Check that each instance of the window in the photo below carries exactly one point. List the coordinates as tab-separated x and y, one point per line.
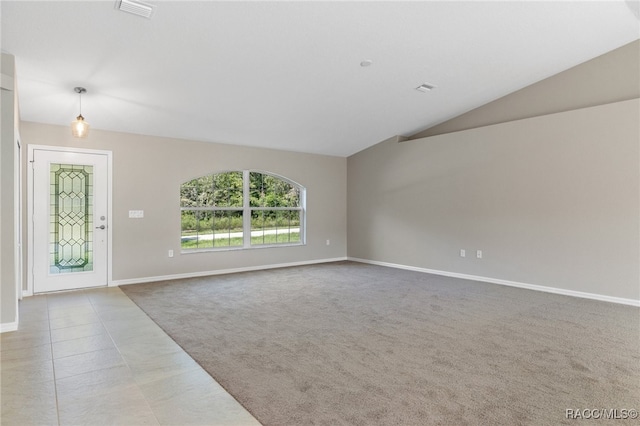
212	211
241	209
276	213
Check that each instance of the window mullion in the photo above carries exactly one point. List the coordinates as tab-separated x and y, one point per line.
246	214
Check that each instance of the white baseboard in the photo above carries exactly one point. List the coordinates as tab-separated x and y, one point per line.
220	272
8	326
555	290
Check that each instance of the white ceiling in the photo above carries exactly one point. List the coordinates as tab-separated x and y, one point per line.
287	75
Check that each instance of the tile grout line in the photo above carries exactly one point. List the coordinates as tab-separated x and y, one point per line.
78	338
123	357
53	364
55	380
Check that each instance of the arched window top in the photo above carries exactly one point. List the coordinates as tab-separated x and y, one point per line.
269	190
241	209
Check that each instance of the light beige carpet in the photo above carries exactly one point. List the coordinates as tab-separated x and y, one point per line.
354	344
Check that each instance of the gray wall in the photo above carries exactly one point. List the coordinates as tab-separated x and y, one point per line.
551	200
8	293
147	173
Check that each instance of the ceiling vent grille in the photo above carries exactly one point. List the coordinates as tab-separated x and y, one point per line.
425	87
135	7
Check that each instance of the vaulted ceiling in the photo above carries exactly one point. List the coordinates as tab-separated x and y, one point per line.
288	75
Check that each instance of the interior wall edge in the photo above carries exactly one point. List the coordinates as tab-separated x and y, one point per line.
418	138
8	192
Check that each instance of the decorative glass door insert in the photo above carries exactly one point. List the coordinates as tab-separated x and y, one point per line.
71	218
70	227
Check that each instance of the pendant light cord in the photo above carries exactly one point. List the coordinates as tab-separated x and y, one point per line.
80	91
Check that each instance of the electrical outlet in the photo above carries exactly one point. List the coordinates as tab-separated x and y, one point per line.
328	242
463	253
479	254
170	253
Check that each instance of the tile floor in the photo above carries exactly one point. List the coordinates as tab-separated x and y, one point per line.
92	357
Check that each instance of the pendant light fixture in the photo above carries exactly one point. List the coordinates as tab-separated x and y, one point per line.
80	128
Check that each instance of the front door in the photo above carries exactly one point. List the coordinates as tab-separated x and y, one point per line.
70	205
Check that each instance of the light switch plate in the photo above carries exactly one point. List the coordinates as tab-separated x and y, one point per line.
136	214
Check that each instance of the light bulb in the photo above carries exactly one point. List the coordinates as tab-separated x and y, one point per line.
80	128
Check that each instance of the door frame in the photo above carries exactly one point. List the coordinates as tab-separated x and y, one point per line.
30	195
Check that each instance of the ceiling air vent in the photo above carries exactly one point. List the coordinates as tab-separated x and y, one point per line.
135	7
425	87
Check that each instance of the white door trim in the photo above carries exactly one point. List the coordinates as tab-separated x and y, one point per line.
30	234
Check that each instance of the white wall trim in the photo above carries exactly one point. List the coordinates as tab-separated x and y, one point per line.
555	290
8	326
221	271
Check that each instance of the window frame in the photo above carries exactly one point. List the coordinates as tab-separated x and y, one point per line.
247	211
